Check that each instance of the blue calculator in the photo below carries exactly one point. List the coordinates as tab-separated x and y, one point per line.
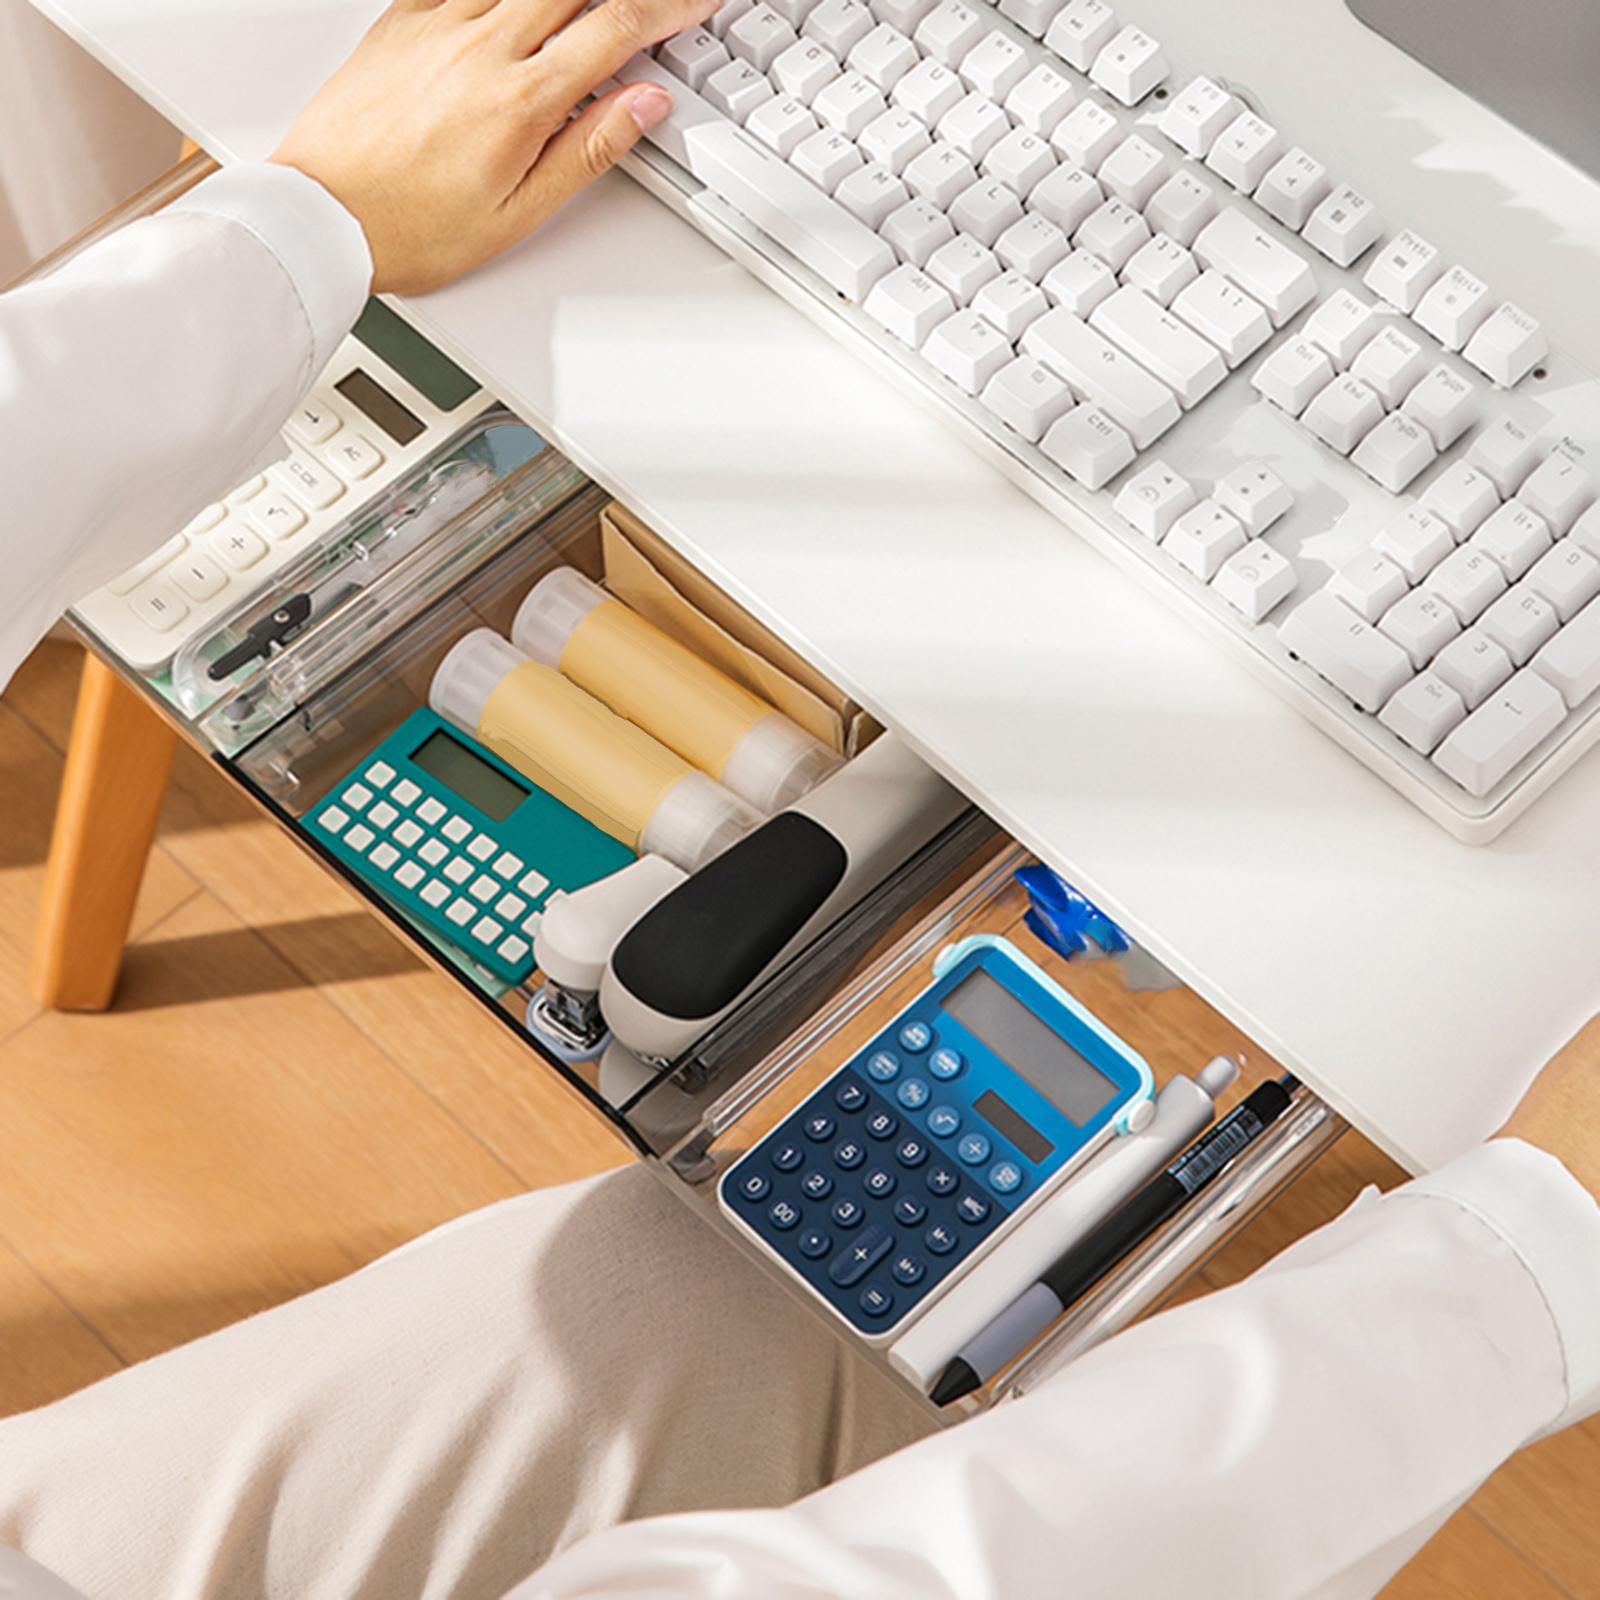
987	1091
465	843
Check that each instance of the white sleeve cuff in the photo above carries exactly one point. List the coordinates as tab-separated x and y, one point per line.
1552	1224
319	245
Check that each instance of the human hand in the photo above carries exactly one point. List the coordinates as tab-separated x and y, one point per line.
1561	1110
446	133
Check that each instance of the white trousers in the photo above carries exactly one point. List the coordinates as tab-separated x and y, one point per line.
442	1421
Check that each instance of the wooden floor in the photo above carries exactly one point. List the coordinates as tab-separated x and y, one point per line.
282	1093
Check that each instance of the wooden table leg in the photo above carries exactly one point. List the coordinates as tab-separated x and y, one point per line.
111	794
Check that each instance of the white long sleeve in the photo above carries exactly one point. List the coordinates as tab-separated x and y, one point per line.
151	374
1299	1435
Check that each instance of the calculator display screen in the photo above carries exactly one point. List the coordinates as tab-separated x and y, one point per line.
467	774
1030	1047
376	401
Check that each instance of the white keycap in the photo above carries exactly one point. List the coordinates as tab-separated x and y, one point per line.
461	912
1508	346
1342	325
1182	206
1293	188
383	815
1368	583
534	885
1225	315
1255	580
484	890
1569	578
430	811
315	419
1031	247
1392	363
1445	403
487	931
1027	397
1294	375
1021	161
358	797
508	865
1134	171
307	482
481	848
1068	196
1343	414
1404	270
1245	152
838	24
198	576
1081	30
939	174
693	55
1468	581
1421	624
799	216
1454	308
1041	100
1256	495
1474	666
1505	452
909	304
384	857
1416	541
380	775
1188	365
1520	622
510	906
805	69
782	123
1423	712
1079	283
1086	135
949	31
159	606
1131	66
456	829
513	949
1395	453
1032	16
1088	445
975	125
1345	649
1571	660
333	819
737	89
1508	726
1514	536
236	547
1114	232
275	515
1154	498
884	56
1270	272
726	15
1203	538
1344	227
849	104
408	834
1461	497
247	490
1559	490
894	140
928	91
458	870
994	66
871	194
433	852
359	837
967	350
206	520
1011	302
985	210
901	14
435	893
1135	401
1197	116
1162	268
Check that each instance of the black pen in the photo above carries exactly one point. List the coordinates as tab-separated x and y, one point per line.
1088	1261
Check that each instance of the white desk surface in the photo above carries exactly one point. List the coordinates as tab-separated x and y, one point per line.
1417	982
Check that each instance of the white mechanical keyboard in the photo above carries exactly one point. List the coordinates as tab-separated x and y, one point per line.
362	427
1365	470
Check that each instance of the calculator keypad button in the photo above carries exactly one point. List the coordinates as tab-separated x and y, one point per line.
847	1213
207	519
486	930
940	1239
357	796
333	819
913	1094
462	912
860	1256
484	890
531	926
199	577
909	1270
787	1157
784	1215
436	893
277	515
247	490
755	1186
916	1036
508	866
159	607
945	1064
815	1244
405	793
816	1184
883	1066
943	1181
354	456
876	1302
456	829
237	547
534	885
408	875
1005	1177
820	1127
307	480
974	1150
510	906
407	834
911	1152
380	774
458	870
910	1210
383	815
430	811
882	1125
972	1208
481	848
433	852
312	421
879	1184
944	1121
359	837
849	1154
513	950
384	857
849	1096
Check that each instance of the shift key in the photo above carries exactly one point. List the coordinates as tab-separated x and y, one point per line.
1571	660
1509	725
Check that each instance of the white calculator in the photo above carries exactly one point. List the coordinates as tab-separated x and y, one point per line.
386	402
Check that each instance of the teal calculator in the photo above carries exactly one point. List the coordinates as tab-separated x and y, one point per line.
465	843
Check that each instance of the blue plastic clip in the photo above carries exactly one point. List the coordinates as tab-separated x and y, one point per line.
1063	921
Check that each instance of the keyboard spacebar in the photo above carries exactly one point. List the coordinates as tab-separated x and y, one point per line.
793	210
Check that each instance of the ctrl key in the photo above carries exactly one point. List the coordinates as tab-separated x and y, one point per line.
1508	726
